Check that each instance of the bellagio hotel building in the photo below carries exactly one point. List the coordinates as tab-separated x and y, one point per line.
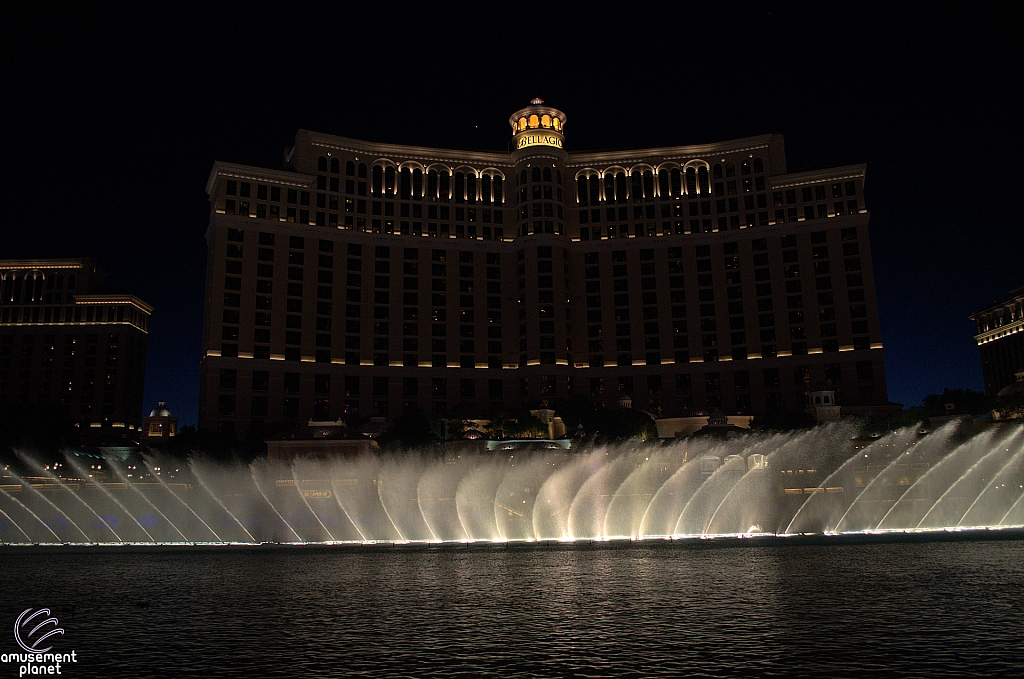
365	278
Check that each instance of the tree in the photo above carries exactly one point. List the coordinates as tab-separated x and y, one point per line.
412	429
254	445
1009	407
39	429
964	400
216	446
573	411
905	418
782	420
523	424
620	425
182	444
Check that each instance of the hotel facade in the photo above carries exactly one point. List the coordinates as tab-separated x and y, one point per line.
1000	338
365	278
66	341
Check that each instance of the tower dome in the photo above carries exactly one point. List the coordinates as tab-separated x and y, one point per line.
537	125
160	410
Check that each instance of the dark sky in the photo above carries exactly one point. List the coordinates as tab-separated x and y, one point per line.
113	120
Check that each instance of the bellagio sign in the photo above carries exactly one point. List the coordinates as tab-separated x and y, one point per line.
539	139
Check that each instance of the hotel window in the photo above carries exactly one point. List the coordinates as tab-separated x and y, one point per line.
228	378
226	404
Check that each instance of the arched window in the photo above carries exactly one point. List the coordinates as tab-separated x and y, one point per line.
594	189
745	168
444	191
362	170
350	168
417	183
636	190
547	174
730	169
335	166
702	180
432	184
460	187
581	191
609	188
321	164
758	165
620	187
691	180
485	189
718	171
534	121
648	185
378	179
404	183
522	177
558	173
535	174
663	187
389	180
677	187
471	188
498	191
556	123
545	120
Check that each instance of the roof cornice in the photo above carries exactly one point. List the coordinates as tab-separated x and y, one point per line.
580	159
429	154
812	176
261	174
30	264
113	298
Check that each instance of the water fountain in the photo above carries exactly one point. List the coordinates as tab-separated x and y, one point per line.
827	480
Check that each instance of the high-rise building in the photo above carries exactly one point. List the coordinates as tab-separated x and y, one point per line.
66	341
1000	339
367	277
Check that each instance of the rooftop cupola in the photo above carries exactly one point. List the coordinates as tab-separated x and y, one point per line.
538	125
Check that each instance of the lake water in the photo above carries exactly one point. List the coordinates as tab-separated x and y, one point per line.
698	608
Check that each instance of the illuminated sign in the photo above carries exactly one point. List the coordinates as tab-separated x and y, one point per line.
539	139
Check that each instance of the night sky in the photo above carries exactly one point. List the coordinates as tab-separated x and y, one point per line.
114	119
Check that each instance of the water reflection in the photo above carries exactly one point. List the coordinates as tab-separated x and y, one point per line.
657	609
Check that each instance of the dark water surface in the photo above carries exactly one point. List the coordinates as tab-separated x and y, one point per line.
932	609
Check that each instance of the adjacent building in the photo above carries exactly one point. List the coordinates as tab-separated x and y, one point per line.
159	427
364	278
1000	337
66	341
319	439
